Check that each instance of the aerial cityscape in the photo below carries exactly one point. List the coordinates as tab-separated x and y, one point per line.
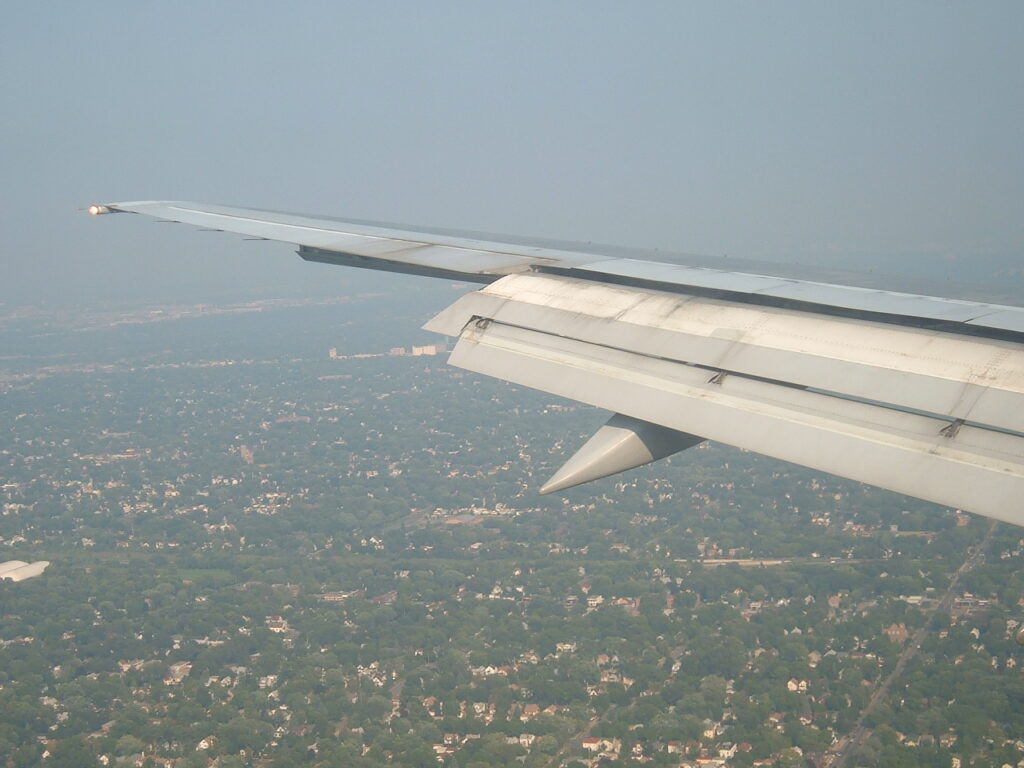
273	540
254	515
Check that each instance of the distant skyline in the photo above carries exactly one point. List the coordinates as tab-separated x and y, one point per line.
797	131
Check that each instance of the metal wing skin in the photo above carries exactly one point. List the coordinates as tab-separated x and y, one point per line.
916	394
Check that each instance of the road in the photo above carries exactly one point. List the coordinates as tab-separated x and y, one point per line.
841	751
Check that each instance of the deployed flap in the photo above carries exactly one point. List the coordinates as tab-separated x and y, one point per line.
622	443
972	468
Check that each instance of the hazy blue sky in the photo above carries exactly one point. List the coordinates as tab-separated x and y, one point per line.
782	130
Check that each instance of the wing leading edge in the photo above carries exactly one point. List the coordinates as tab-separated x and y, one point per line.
915	394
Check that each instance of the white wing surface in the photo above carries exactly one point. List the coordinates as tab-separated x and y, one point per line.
916	394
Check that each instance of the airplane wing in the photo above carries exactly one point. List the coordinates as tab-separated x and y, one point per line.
916	394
